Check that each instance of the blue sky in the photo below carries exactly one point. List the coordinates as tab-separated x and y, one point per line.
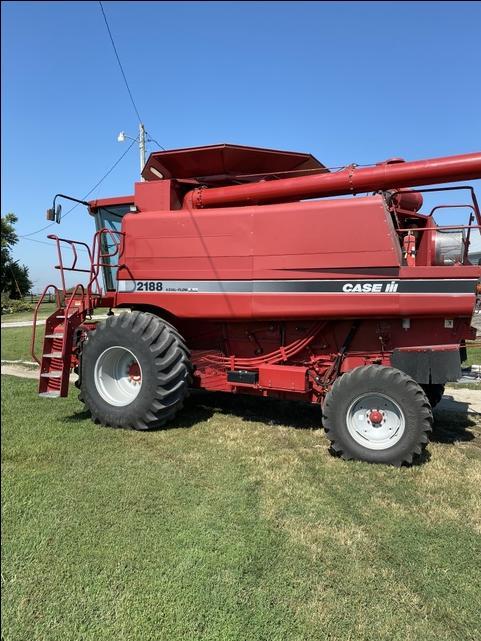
348	82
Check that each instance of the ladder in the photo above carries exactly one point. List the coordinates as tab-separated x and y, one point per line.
73	307
55	362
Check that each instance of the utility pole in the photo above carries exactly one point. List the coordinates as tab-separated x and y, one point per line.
142	148
141	142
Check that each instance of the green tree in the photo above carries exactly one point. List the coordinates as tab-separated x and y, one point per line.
14	277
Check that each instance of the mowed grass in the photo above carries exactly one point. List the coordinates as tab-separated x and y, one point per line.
45	310
16	342
235	523
474	356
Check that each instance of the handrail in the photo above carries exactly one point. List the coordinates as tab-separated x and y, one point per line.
99	254
72	297
35	314
73	267
469	188
453	206
438	228
96	256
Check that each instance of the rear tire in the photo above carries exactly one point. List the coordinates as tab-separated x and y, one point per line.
377	414
434	392
136	371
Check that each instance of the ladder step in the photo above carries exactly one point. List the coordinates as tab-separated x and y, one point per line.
53	355
51	375
58	335
50	394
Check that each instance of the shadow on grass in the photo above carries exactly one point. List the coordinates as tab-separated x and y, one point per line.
201	406
294	414
190	416
452	424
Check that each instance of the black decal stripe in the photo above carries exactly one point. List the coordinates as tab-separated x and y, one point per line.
354	287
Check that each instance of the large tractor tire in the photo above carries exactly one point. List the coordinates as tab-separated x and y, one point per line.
377	414
434	392
136	372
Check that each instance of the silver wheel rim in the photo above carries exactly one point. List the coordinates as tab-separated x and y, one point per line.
375	421
118	376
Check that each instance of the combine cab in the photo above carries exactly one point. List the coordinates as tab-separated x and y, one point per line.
245	272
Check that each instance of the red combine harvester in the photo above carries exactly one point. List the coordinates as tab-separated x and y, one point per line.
237	283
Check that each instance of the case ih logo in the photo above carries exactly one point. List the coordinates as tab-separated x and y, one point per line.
363	288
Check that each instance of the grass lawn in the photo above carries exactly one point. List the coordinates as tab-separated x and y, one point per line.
45	310
474	356
16	343
235	524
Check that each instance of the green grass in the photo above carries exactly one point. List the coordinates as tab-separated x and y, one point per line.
234	524
474	356
45	310
16	343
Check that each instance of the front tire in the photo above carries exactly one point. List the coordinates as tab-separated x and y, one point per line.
377	414
136	371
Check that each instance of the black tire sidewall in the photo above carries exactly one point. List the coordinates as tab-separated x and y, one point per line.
118	336
401	394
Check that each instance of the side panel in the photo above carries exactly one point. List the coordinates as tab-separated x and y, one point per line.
321	259
278	243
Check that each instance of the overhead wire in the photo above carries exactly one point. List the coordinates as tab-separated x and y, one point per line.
123	74
150	139
49	243
120	64
97	184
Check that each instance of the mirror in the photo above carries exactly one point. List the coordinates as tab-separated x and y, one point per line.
58	213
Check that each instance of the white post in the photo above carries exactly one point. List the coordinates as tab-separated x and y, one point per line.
142	148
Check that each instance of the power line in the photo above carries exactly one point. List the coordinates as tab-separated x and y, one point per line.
150	139
120	64
48	242
33	233
123	73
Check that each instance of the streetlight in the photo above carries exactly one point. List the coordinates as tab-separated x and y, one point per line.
141	140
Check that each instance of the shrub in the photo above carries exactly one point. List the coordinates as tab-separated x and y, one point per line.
10	306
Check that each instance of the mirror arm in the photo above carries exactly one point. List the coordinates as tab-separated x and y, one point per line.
75	200
54	214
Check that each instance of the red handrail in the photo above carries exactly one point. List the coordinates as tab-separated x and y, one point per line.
99	254
35	314
97	259
73	267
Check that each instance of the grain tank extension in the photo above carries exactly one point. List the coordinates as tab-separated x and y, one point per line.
262	272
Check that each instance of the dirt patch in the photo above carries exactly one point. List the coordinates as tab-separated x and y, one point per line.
23	371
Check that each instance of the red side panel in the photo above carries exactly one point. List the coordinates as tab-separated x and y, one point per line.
295	260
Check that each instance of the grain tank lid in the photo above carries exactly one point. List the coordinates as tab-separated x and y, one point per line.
228	164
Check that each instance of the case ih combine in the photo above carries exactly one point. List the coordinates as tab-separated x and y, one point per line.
245	273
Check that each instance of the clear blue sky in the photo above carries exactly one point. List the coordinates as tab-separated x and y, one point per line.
348	82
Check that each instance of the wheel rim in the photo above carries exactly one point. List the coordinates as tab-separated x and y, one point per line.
375	421
118	376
